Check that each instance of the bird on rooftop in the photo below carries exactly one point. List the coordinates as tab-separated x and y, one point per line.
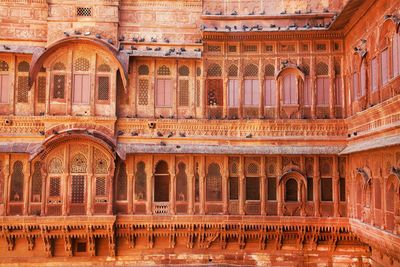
262	12
55	132
110	41
249	135
133	47
135	39
148	48
153	39
219	13
283	12
87	33
285	62
163	143
98	36
134	133
166	40
234	13
77	32
141	40
6	47
121	39
120	132
157	49
298	12
228	27
66	34
325	10
121	48
167	53
203	27
208	12
159	134
308	11
251	13
272	25
182	134
183	49
170	134
197	50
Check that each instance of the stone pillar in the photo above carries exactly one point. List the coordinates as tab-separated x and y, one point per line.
225	175
111	191
26	188
241	91
279	188
43	194
278	92
134	86
316	185
90	177
241	186
130	169
172	174
7	176
202	174
149	183
331	88
191	183
263	186
66	178
335	186
261	81
192	93
313	89
225	94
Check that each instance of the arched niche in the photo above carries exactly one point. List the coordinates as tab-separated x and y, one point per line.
292	203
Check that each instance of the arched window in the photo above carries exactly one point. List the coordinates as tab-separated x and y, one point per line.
163	71
181	183
36	195
122	182
270	86
140	181
251	70
322	84
183	71
161	182
233	86
4	82
363	76
307	95
103	83
214	70
374	74
396	54
163	90
251	86
81	84
143	70
233	70
23	85
390	198
377	194
183	89
289	88
17	183
291	191
355	86
214	183
384	66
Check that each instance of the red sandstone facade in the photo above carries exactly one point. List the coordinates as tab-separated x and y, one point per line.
198	132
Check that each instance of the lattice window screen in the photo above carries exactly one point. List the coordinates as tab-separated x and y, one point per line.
306	70
322	69
269	70
183	71
55	166
250	48
59	86
214	70
214	92
181	183
143	70
83	11
41	87
184	93
214	183
100	186
122	182
140	181
104	68
253	188
54	190
37	182
59	66
104	88
214	48
3	65
252	168
17	182
164	70
78	164
143	92
78	189
232	48
81	64
22	96
233	70
291	190
251	70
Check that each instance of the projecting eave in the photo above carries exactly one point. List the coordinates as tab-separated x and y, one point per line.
371	144
224	149
19	49
145	53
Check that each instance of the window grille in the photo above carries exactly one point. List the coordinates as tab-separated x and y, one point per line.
59	66
22	89
269	48
377	194
36	182
164	70
288	48
214	48
181	183
214	70
342	185
54	187
183	71
122	182
291	190
321	47
81	64
233	188
78	164
250	48
104	68
306	70
184	93
269	70
271	188
17	183
83	11
233	70
337	46
251	70
104	88
322	69
23	66
234	166
305	47
385	66
271	169
3	65
100	186
59	86
214	183
78	189
143	70
140	181
55	166
252	188
197	93
252	168
143	92
232	48
310	189
214	92
101	166
41	89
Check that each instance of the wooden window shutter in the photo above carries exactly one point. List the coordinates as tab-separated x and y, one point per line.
233	93
374	74
4	88
270	92
385	66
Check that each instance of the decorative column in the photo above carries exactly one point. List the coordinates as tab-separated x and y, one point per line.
263	186
316	185
172	173
130	169
66	177
278	93
90	177
261	83
26	189
331	88
149	183
335	186
202	170
70	66
241	186
43	201
225	174
191	182
111	191
279	189
313	89
134	86
192	93
203	94
225	99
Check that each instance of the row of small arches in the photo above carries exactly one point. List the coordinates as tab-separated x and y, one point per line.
165	71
